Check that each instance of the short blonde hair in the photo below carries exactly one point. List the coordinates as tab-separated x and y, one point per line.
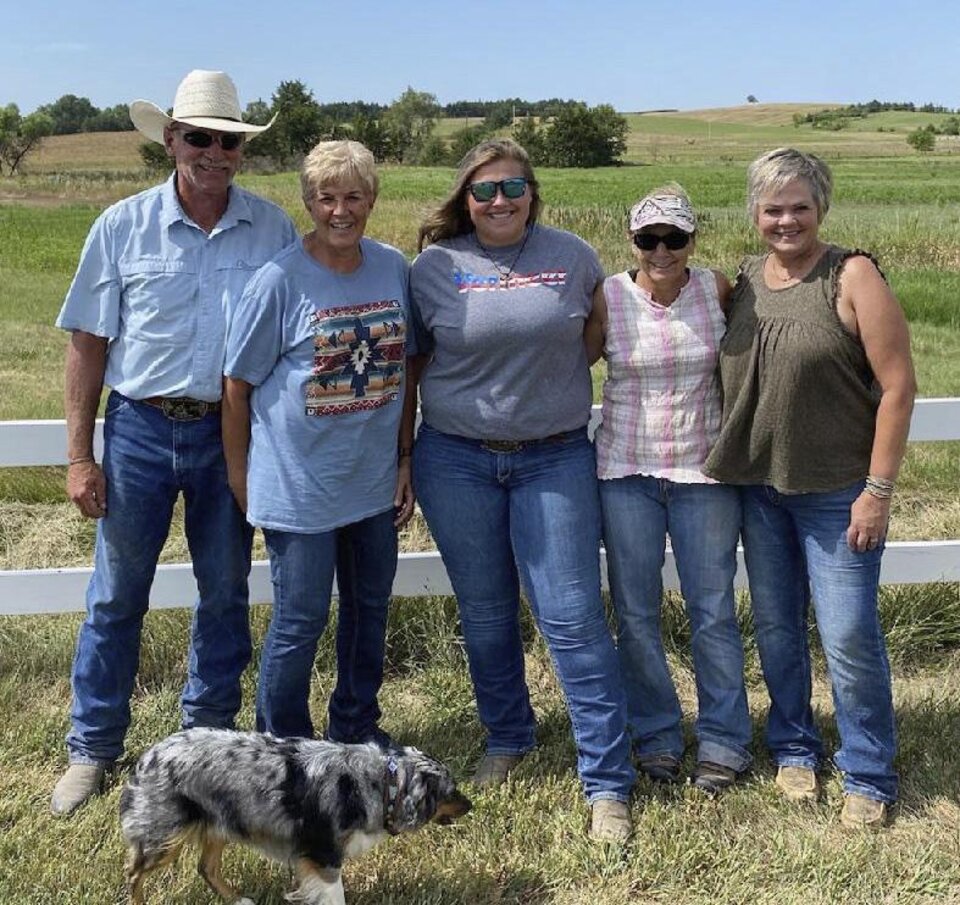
331	162
771	171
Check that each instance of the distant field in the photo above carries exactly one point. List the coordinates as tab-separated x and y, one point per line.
734	133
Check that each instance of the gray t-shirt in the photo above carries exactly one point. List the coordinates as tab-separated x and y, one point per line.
506	354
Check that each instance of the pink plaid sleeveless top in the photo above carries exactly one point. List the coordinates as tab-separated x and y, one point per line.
661	399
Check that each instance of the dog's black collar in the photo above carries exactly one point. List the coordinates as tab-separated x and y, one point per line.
391	796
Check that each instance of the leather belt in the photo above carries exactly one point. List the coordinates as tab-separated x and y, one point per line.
182	408
512	446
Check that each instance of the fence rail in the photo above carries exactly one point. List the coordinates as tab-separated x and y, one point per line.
36	591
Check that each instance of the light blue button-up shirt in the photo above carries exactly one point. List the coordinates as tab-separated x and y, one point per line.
162	290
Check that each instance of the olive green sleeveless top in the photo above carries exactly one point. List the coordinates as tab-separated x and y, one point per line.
799	397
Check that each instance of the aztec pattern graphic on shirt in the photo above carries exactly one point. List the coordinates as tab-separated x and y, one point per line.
479	282
358	357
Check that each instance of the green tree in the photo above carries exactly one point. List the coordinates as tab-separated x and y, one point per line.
110	119
580	136
532	138
299	126
410	119
950	126
258	112
499	116
70	114
374	135
464	139
19	135
155	158
922	140
433	152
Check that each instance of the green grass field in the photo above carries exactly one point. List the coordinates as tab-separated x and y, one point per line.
525	843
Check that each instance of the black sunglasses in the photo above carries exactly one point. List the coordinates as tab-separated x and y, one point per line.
674	240
229	141
487	191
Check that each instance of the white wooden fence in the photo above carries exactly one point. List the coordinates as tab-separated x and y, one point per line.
33	591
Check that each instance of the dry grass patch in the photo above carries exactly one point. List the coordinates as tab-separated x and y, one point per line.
87	151
754	114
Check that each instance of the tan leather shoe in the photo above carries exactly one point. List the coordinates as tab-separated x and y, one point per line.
79	784
862	813
798	783
494	769
610	821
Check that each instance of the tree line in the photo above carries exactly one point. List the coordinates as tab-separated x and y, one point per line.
556	132
837	118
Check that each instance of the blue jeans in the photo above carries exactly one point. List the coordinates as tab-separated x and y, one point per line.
531	516
703	521
796	546
364	555
148	461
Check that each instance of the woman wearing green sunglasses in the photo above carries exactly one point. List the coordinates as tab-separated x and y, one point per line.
503	467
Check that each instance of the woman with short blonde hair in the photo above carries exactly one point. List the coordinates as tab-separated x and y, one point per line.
818	387
312	419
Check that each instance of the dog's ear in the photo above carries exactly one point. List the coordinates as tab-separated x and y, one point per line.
418	794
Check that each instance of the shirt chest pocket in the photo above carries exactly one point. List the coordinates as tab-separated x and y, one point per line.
159	299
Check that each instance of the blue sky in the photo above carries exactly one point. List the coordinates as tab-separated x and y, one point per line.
636	55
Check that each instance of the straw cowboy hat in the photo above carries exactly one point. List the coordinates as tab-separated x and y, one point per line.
204	99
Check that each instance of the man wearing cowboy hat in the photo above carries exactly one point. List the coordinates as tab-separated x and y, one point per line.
148	311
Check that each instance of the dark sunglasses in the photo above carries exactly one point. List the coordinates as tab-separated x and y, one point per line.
674	240
487	191
229	141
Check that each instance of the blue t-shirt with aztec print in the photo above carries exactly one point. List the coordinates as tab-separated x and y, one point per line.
325	353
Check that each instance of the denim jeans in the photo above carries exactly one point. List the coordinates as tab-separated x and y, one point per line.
796	546
531	516
148	461
364	555
703	521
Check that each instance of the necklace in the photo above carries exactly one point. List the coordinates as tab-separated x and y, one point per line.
800	267
504	272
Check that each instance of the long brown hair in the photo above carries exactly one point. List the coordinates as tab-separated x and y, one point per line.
452	217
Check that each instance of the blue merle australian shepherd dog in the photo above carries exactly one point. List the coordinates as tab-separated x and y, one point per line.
311	804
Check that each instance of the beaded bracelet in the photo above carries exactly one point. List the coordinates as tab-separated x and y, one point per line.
881	488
